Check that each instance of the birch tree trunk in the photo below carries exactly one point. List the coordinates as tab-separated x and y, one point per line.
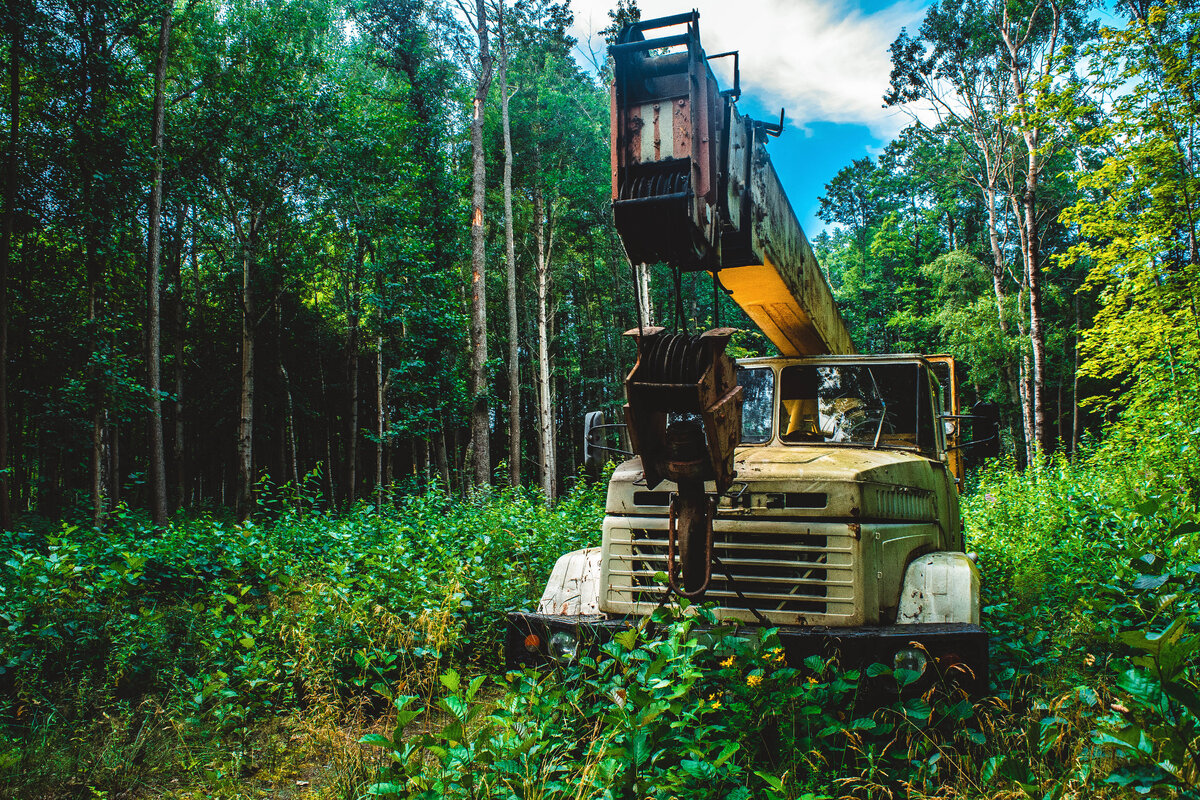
645	307
480	448
546	466
1018	384
514	372
1028	85
158	465
245	437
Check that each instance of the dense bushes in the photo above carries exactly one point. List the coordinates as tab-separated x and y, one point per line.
136	655
1091	599
227	625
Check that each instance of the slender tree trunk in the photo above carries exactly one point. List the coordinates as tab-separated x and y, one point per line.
245	439
91	24
327	416
442	458
112	432
1033	276
353	292
1022	87
480	446
645	307
290	408
514	374
545	415
6	236
380	418
157	465
1075	385
1014	385
176	281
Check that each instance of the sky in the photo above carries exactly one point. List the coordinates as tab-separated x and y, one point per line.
825	62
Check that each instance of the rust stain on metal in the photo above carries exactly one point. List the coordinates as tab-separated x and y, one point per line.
682	129
856	530
636	123
657	135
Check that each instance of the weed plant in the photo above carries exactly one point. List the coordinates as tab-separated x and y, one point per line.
132	652
213	659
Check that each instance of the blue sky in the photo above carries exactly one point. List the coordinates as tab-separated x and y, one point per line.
824	61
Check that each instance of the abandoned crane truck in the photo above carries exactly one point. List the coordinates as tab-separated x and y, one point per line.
815	492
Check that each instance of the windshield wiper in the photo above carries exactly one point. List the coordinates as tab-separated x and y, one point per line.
882	408
882	417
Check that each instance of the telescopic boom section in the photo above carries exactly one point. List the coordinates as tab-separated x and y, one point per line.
693	186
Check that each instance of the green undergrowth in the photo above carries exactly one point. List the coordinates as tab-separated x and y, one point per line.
1090	595
133	652
336	655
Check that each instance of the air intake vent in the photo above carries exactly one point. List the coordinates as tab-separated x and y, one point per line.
805	500
652	499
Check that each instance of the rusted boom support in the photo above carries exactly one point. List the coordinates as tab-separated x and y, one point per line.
693	186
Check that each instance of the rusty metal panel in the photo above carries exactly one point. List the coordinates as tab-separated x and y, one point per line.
681	128
664	145
737	170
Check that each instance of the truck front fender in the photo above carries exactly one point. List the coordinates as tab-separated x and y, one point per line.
940	587
574	585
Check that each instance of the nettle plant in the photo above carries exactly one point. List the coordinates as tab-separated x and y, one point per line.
670	709
1153	731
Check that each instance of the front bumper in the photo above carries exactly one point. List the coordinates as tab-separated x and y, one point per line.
958	651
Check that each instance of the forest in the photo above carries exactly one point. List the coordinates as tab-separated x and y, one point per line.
302	305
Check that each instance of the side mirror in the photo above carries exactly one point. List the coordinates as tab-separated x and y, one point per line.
593	455
595	451
984	422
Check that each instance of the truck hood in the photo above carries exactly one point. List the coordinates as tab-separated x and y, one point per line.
827	482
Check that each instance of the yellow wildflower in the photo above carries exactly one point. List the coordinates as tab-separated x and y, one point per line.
716	704
753	680
727	663
812	680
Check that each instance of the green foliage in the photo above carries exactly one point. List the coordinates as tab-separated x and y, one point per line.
231	625
667	711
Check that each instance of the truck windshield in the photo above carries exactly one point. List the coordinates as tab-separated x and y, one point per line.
758	400
876	405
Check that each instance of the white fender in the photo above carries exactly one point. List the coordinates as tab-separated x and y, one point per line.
574	585
940	587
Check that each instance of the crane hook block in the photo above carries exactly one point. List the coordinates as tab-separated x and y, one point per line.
684	407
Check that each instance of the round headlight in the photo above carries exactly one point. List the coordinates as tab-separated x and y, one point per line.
911	659
563	646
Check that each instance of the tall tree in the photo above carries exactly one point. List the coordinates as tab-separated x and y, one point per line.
157	459
11	155
480	423
510	258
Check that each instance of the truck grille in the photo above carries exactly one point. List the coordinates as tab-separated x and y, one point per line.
794	574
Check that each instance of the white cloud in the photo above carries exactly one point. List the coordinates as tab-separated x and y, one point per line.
824	60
